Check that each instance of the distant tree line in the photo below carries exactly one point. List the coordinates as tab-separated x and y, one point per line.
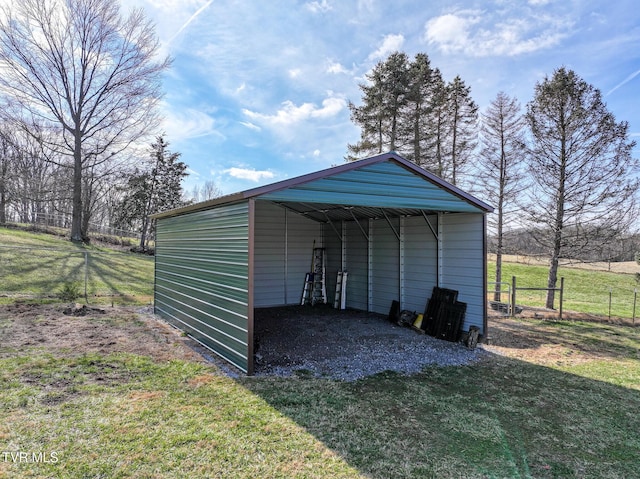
560	174
119	196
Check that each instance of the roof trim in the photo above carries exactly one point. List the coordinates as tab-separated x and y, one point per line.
299	180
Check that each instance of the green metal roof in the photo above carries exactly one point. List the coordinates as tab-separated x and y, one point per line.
385	181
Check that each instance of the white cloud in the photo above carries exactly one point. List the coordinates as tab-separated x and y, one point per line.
319	7
316	153
188	123
450	31
479	34
250	125
291	113
336	68
295	72
250	174
390	44
191	19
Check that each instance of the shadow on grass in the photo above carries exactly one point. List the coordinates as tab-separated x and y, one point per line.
119	274
502	418
605	340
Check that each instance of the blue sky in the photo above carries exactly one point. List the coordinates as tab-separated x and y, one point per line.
258	89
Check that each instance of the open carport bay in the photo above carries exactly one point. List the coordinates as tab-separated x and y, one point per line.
347	345
398	231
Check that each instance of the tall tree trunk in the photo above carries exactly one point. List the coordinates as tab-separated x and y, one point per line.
3	193
76	207
497	295
417	153
558	228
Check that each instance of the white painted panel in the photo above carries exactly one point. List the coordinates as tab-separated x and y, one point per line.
463	263
420	263
269	255
283	248
386	265
356	265
303	234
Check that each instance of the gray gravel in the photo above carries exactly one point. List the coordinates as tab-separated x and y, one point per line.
346	345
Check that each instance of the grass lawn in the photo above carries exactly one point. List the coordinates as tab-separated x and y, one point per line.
585	290
119	395
561	400
41	265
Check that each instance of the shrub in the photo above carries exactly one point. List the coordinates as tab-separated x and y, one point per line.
69	292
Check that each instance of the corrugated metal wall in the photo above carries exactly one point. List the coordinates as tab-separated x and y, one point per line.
357	264
201	278
334	257
463	263
420	263
385	277
283	248
375	275
270	264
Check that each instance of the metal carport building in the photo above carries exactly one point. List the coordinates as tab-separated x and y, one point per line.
396	228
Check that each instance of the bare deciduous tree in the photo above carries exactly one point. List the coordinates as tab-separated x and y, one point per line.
584	179
206	191
84	72
501	134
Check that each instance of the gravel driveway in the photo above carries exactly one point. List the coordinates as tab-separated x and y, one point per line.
346	345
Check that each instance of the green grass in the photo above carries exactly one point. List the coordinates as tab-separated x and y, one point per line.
41	265
585	290
124	415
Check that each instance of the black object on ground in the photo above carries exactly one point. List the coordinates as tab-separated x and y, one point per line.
444	314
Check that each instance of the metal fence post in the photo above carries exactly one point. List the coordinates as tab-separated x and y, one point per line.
513	296
86	275
561	296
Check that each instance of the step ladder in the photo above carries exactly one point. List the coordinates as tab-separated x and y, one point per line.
315	290
340	299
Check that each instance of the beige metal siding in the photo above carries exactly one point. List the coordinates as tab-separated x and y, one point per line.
464	263
283	249
420	263
385	278
357	264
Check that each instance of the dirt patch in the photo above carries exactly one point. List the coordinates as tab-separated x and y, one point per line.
533	336
74	331
355	343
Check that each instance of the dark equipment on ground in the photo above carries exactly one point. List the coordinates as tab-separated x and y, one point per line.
444	314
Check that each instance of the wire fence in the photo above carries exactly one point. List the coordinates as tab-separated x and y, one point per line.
611	301
72	275
63	220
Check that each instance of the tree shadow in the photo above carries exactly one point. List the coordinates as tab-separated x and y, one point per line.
499	418
590	338
118	277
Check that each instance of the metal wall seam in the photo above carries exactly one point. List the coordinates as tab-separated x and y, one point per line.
401	280
251	284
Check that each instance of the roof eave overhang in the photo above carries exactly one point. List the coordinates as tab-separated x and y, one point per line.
299	180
